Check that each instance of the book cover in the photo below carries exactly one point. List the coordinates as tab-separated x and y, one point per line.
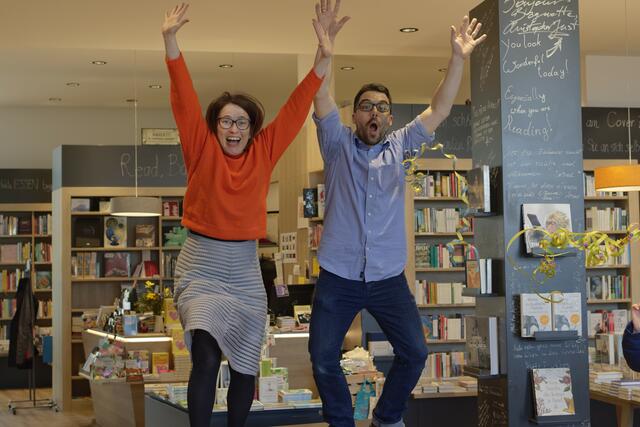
548	216
87	232
427	326
482	343
145	235
310	202
43	279
552	391
472	269
478	192
159	362
115	232
178	346
302	314
567	314
116	264
595	288
130	324
535	314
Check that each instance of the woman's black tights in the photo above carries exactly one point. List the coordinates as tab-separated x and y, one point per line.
206	356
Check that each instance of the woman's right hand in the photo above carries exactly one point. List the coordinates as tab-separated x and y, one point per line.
174	20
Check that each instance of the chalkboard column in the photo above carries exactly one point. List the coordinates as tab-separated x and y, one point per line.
525	86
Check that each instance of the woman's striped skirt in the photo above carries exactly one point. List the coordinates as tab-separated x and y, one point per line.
219	289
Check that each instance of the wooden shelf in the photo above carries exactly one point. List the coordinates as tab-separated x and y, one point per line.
42	236
113	279
76	341
437	199
16	236
604	267
609	301
439	270
446	305
43	291
42	263
447	234
171	248
78	377
2	264
121	249
446	341
605	198
90	213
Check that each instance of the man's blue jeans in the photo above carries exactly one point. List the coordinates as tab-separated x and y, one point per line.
390	302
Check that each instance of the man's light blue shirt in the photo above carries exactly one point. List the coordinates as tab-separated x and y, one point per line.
364	225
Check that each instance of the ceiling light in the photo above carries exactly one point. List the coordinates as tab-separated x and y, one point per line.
99	62
135	205
621	177
73	84
408	30
155	86
225	66
348	68
55	99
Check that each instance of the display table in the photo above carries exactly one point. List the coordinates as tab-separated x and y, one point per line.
160	412
624	407
117	403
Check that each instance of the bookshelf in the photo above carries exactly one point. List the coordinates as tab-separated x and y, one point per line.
27	228
603	213
80	236
438	348
314	232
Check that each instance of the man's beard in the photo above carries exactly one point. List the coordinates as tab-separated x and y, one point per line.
380	128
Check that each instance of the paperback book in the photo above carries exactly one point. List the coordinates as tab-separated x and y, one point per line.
552	391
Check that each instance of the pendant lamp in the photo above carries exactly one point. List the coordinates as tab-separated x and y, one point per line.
621	177
135	205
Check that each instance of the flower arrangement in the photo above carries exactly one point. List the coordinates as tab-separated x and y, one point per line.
150	300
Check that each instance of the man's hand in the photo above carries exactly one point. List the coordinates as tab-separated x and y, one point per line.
465	39
635	317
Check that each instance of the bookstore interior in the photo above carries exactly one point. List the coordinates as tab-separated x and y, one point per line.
522	233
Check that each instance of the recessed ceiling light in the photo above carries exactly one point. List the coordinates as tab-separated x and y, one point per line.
131	100
408	30
54	99
155	86
348	68
99	62
73	84
225	66
443	69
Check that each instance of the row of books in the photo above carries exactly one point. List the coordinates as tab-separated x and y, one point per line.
444	365
443	327
172	208
315	234
604	321
607	219
539	314
590	187
440	185
434	256
116	264
608	287
479	275
608	349
622	259
462	384
42	252
170	260
7	307
443	220
10	279
426	292
18	252
15	225
45	309
43	225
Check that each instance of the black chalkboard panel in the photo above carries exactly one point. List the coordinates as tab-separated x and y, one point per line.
605	134
25	185
114	166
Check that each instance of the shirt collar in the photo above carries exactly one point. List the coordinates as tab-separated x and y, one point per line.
378	147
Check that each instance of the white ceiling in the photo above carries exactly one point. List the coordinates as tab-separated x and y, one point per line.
44	44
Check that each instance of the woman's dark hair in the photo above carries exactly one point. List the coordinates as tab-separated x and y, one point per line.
370	87
248	103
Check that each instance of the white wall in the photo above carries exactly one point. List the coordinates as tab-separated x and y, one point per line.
29	135
611	81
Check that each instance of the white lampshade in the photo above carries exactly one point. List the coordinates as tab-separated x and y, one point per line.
136	206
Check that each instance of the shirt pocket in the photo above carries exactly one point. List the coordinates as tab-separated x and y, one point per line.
389	177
